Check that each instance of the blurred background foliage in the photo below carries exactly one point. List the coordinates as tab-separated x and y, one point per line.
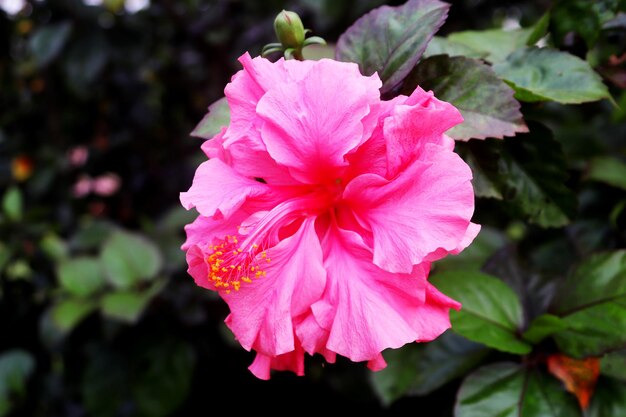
97	98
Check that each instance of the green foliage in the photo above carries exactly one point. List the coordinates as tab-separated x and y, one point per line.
508	389
485	101
608	170
491	312
46	43
12	204
217	117
542	74
496	44
16	366
390	40
82	276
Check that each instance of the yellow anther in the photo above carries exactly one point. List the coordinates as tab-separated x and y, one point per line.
255	246
268	260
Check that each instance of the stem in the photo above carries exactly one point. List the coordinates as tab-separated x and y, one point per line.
297	54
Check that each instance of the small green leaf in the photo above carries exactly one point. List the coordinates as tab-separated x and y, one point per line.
497	44
439	45
491	312
608	170
592	304
68	313
12	204
539	29
129	258
614	365
54	247
16	366
545	74
509	390
484	100
47	42
542	327
82	276
217	117
390	40
127	306
419	369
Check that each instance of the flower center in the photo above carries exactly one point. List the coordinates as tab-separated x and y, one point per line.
231	264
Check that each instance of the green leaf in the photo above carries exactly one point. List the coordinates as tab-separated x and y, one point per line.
129	258
578	16
509	390
497	44
84	62
488	241
68	313
419	369
529	171
16	366
609	399
127	306
608	170
542	327
82	276
485	101
614	365
439	45
54	247
592	304
105	383
163	377
217	117
47	42
390	40
539	29
491	312
12	204
545	74
316	52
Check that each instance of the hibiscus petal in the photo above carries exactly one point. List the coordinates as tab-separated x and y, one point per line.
422	119
217	187
262	311
197	267
204	229
290	361
311	124
365	309
426	207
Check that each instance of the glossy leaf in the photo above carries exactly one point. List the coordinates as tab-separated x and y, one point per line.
82	276
545	74
491	312
129	258
391	40
593	306
419	369
217	117
485	101
510	390
542	327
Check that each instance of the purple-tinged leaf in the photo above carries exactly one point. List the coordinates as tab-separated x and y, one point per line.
391	40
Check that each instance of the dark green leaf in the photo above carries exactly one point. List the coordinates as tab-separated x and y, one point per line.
608	170
84	62
127	306
419	369
54	247
529	171
439	45
497	44
217	117
578	16
593	306
47	42
12	203
390	40
81	276
509	390
128	258
614	364
543	326
545	74
609	399
15	368
485	101
491	312
163	377
105	383
68	313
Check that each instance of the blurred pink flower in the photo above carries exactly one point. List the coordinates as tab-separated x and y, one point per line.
106	184
77	156
321	208
82	186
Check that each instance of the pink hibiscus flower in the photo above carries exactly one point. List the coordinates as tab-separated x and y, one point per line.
321	207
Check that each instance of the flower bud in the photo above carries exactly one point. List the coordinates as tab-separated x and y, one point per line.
289	29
